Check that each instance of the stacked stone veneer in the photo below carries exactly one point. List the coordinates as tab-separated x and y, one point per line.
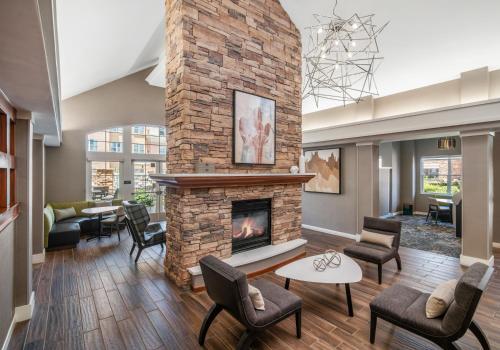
213	48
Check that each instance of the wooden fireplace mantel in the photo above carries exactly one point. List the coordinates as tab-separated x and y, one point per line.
228	180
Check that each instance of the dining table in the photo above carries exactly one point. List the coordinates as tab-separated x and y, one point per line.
99	211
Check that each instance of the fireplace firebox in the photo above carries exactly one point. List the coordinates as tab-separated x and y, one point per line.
251	224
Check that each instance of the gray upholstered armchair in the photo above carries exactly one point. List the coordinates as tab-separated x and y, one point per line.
375	253
405	307
228	288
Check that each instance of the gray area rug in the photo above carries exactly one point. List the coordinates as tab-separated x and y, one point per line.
437	238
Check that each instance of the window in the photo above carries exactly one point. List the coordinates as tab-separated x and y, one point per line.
109	140
137	148
441	175
105	179
149	140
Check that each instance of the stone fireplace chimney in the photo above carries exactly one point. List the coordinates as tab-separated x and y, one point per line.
214	48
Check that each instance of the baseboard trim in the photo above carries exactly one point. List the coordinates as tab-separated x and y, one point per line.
25	312
469	260
330	232
6	342
38	258
496	245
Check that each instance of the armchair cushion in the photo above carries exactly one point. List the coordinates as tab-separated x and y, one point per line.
370	252
406	305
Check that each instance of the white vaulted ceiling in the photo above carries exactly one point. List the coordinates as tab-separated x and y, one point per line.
426	42
104	40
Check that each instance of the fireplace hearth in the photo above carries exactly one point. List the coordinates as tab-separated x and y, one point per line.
251	224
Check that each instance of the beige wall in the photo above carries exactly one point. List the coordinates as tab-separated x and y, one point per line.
7	277
476	85
38	194
126	101
496	188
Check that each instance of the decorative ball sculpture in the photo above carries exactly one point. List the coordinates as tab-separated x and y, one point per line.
331	258
294	169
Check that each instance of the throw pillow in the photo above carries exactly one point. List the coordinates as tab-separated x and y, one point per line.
377	238
62	214
440	299
256	298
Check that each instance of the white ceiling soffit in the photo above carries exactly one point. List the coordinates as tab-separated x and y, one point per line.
426	41
101	41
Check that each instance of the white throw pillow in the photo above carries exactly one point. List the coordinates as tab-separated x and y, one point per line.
62	214
440	299
256	298
377	238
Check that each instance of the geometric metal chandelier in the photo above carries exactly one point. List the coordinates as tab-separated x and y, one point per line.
342	58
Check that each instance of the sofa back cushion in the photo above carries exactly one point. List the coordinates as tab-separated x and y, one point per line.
78	205
62	214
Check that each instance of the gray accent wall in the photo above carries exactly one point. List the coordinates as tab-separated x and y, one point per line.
335	212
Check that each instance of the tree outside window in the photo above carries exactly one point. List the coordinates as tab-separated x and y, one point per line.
441	175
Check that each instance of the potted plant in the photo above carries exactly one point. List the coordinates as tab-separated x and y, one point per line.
146	198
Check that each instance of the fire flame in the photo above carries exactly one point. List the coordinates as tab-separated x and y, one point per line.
247	229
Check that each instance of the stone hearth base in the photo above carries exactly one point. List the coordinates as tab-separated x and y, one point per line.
257	261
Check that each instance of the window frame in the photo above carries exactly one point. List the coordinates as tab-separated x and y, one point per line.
107	140
449	174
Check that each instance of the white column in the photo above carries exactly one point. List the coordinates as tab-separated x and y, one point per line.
477	194
367	182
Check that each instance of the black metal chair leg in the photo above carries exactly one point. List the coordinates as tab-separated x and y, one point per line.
298	323
162	246
373	327
118	231
209	318
349	300
132	250
245	341
476	330
398	261
138	254
379	273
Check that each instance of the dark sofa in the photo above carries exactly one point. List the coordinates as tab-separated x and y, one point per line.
66	233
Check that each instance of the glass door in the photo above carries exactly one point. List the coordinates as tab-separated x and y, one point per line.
105	180
146	191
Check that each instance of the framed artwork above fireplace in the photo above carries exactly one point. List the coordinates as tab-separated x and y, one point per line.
254	129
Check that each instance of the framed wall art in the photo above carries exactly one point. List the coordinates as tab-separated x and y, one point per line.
326	164
254	129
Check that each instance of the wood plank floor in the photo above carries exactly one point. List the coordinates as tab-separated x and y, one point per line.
95	297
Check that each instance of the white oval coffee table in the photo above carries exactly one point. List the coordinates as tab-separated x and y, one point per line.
303	270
